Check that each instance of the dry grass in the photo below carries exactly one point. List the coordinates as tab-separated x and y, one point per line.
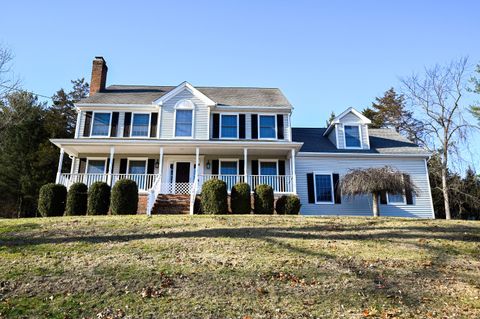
238	267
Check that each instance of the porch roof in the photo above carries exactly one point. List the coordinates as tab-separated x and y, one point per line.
143	146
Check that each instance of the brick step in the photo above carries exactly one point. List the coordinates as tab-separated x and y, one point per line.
172	204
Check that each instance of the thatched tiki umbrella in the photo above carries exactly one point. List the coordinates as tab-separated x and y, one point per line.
374	181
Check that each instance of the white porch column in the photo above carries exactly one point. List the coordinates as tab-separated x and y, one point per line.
197	160
293	173
245	164
160	163
72	167
60	163
110	165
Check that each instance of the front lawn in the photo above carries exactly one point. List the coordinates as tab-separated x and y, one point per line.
238	267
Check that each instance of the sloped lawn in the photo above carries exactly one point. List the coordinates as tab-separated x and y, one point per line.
238	267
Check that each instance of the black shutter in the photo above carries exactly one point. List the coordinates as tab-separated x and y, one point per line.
241	166
153	125
113	129
216	125
383	198
241	129
83	165
336	189
88	124
254	167
214	167
126	126
123	166
254	126
151	166
310	188
280	129
408	193
281	167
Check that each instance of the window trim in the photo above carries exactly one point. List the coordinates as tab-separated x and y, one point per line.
109	124
331	187
260	161
404	202
97	159
149	124
137	159
359	136
238	125
220	160
260	127
179	106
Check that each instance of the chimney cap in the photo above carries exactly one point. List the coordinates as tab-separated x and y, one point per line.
100	58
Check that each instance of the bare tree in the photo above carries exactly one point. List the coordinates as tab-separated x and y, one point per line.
7	81
436	100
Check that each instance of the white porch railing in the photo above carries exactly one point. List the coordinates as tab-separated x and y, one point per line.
144	181
279	183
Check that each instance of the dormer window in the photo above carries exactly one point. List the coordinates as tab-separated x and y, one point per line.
229	126
140	125
352	136
101	124
268	127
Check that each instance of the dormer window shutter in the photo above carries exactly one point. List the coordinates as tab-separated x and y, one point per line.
153	124
88	123
114	127
216	126
254	126
241	129
126	126
280	127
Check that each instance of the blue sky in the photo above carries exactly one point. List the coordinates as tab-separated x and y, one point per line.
324	55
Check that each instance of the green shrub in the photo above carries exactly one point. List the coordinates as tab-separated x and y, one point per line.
214	197
124	199
98	199
77	200
263	199
240	199
51	200
288	204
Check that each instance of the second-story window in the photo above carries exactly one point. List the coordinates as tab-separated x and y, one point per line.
183	123
140	125
101	124
229	126
267	126
352	136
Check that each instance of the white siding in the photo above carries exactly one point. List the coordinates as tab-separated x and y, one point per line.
361	206
200	127
351	118
333	137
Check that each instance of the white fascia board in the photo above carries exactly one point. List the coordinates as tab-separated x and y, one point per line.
119	107
179	88
284	109
365	120
326	154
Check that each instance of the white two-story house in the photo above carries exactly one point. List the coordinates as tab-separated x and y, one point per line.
171	139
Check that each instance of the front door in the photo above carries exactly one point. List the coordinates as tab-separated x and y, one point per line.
182	178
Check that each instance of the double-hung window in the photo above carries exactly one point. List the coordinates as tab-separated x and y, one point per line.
323	188
183	123
140	125
228	167
352	136
96	167
268	126
268	168
394	199
229	126
101	124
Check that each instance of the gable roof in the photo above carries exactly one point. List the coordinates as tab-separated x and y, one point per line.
222	96
336	120
382	141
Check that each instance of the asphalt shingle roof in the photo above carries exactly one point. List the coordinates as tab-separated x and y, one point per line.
223	96
382	141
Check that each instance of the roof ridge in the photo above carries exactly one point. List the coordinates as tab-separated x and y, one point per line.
201	87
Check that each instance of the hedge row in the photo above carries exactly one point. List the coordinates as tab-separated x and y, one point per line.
99	199
214	199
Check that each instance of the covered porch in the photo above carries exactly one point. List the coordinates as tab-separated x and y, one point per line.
179	168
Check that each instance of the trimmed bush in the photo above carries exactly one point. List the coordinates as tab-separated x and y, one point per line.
77	197
98	199
124	200
288	204
214	197
263	199
240	199
51	200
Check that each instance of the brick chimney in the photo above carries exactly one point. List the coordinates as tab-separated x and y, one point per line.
99	75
